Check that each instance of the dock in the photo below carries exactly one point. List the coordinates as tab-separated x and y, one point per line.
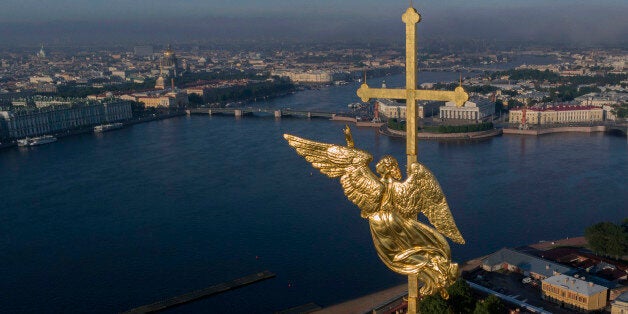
203	293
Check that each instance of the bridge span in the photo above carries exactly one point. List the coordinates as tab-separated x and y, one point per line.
277	113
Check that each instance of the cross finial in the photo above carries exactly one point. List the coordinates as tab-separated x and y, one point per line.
364	76
460	79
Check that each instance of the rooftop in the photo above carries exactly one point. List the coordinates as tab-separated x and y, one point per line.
575	284
526	263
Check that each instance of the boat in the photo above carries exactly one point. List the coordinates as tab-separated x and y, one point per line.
40	140
23	142
108	127
354	105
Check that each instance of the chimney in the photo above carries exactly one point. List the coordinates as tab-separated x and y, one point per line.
172	82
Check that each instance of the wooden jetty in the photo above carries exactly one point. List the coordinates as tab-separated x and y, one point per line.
203	293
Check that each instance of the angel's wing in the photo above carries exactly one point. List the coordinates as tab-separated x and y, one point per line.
360	185
422	193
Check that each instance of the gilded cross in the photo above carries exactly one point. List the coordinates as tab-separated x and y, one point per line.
411	94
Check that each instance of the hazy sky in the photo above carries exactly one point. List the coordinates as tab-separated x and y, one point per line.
564	20
47	10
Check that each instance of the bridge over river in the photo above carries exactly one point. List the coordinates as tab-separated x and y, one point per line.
277	113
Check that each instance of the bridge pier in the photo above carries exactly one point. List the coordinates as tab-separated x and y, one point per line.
238	113
277	114
309	115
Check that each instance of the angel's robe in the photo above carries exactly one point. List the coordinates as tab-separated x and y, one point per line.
405	245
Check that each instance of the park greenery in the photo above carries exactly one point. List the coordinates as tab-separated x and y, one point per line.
461	300
607	238
459	128
396	124
621	111
253	90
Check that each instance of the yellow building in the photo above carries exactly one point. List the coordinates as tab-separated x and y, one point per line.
157	101
558	115
574	293
620	305
311	76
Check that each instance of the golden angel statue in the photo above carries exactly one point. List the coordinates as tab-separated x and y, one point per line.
404	244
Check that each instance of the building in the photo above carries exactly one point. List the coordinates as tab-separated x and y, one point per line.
312	76
157	101
620	305
574	293
391	109
396	110
474	109
162	99
169	64
527	265
560	114
41	53
55	119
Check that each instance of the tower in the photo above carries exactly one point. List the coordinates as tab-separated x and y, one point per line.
42	53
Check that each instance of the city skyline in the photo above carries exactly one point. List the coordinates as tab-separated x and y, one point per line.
578	23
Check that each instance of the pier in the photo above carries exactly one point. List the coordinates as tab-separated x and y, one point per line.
203	293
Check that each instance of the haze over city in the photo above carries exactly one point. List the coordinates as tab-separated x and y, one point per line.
151	156
575	23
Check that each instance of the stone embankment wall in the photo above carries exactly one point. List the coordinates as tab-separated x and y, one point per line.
577	129
445	136
356	122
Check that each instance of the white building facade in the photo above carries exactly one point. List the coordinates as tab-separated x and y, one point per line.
55	119
474	109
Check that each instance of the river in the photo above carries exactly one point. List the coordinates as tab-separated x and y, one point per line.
104	223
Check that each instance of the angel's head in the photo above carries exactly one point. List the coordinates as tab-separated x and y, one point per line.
388	167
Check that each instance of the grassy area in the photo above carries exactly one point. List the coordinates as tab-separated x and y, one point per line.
459	128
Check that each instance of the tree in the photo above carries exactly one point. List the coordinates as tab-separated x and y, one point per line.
433	304
490	305
195	100
460	297
607	238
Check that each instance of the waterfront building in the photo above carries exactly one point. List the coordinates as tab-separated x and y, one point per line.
527	265
474	109
156	101
391	109
559	114
574	293
396	110
55	119
311	76
162	99
620	305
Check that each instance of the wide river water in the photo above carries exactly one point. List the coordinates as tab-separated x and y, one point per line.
104	223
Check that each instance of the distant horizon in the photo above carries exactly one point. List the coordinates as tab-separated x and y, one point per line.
577	23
